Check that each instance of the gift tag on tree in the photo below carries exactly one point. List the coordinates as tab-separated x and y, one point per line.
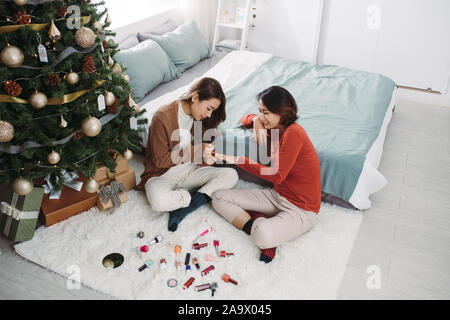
101	102
133	123
42	53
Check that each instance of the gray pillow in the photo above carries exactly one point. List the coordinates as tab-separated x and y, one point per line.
128	42
159	30
147	66
184	45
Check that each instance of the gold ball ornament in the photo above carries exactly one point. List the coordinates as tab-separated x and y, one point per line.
91	186
22	186
98	26
20	2
127	154
85	37
53	157
117	69
12	56
91	126
72	78
38	100
109	98
6	131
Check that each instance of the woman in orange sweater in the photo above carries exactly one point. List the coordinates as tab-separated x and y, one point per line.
274	216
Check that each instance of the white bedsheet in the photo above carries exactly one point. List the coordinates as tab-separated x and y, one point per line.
235	67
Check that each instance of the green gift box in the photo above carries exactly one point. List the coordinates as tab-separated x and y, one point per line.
19	214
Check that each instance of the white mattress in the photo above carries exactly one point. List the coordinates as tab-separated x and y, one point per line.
235	67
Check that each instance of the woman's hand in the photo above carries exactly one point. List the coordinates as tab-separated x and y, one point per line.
227	158
259	131
208	155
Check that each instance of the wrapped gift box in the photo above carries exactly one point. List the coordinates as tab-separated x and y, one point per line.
104	176
127	178
123	197
71	202
19	214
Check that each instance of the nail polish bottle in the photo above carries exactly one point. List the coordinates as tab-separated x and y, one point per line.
147	264
157	239
207	270
202	287
195	262
162	264
188	283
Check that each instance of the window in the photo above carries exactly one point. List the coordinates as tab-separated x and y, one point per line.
125	12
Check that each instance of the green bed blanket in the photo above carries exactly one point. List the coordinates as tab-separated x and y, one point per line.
342	111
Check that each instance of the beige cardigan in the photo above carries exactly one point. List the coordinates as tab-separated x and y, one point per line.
159	146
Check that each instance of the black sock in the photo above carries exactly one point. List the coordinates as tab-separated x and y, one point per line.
197	200
247	228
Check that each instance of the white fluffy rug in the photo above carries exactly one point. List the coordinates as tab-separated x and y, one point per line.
311	267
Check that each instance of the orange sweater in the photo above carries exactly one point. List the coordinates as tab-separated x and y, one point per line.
298	176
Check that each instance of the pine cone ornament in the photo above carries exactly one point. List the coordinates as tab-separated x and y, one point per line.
114	108
88	64
105	44
78	135
21	17
52	79
13	88
62	11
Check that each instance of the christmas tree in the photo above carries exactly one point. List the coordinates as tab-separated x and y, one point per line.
65	105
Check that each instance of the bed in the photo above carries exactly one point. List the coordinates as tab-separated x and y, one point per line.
345	112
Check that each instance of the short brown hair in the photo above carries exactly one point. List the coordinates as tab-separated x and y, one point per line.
279	101
208	88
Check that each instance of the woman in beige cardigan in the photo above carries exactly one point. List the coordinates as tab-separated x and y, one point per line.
179	177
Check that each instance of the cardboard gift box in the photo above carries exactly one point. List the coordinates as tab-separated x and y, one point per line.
123	197
19	214
127	178
104	176
71	202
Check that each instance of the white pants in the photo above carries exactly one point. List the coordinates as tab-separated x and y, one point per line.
170	191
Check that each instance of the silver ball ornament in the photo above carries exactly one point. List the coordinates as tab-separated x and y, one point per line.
91	186
109	98
127	154
12	56
38	100
91	126
53	157
22	186
6	131
72	78
85	37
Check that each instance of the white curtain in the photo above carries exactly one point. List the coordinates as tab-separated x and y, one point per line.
204	13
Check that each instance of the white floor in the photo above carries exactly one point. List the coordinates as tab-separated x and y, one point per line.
405	235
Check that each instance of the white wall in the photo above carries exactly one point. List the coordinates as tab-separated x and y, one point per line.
406	40
343	26
287	28
148	23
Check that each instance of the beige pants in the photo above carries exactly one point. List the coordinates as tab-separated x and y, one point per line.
170	191
284	222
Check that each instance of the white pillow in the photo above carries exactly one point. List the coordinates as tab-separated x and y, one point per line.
128	42
159	30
